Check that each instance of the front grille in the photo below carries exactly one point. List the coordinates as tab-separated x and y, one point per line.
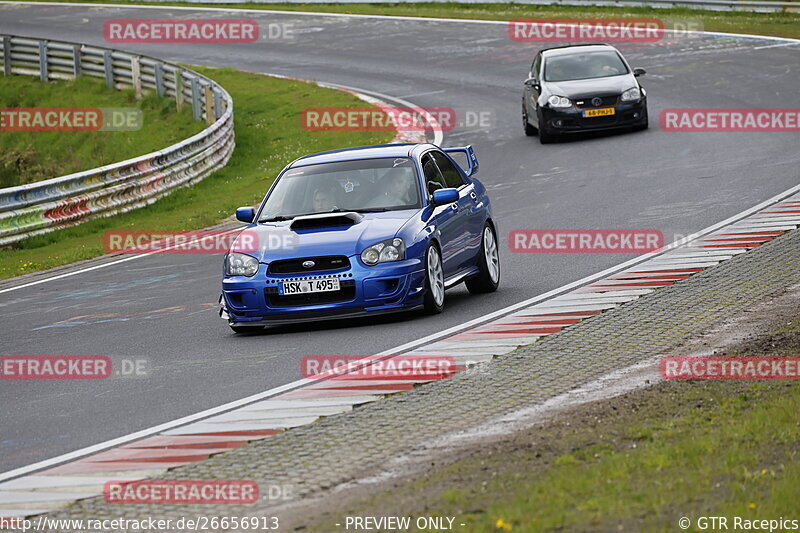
321	264
605	101
346	292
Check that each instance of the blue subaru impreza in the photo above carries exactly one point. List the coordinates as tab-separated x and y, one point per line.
362	231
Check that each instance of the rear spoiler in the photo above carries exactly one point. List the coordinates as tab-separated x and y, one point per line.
472	159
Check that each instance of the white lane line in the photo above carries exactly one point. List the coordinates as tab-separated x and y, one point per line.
423	94
364	16
774	46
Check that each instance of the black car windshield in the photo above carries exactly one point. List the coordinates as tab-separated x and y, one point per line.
364	185
584	66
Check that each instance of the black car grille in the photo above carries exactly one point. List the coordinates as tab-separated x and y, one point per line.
605	101
346	292
321	264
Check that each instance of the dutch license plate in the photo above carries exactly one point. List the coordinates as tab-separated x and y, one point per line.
308	286
602	112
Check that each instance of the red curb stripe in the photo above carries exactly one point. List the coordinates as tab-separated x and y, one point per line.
490	336
716	239
743	245
520	332
166	459
377	386
183	443
304	393
422	378
632	277
676	271
258	433
748	234
80	467
635	285
544	322
561	313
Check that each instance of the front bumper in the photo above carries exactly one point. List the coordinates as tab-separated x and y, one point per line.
364	291
571	119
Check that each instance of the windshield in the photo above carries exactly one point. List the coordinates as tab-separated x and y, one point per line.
365	185
584	66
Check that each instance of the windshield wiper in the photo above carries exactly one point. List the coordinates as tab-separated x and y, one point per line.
373	210
279	218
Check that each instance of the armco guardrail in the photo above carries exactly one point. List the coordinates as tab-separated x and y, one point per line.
767	6
44	206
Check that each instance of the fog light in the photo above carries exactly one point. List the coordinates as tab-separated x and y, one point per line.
636	115
557	123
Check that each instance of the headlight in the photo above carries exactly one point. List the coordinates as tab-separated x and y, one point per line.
559	101
237	264
631	95
384	252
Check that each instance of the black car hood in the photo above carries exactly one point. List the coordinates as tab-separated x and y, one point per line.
592	87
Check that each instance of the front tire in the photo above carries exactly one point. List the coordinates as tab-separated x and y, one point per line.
530	131
488	278
434	281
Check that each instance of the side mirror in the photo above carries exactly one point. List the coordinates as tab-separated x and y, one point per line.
531	82
639	72
245	214
445	196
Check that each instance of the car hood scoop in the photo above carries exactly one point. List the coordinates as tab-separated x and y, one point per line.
325	220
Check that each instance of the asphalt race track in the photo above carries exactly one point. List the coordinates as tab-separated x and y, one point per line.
165	305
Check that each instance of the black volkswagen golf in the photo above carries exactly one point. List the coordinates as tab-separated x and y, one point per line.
588	87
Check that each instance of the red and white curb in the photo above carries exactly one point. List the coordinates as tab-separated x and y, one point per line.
337	392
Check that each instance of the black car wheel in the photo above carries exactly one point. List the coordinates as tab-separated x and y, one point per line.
434	281
488	278
530	131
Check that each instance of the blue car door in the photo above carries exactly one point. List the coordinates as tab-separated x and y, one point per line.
470	217
446	218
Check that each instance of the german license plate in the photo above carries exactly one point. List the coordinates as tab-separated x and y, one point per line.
304	287
602	112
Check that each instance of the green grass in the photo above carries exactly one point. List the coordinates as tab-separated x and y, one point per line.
697	450
268	136
776	24
29	156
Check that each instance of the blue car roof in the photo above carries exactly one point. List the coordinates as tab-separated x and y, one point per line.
360	152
